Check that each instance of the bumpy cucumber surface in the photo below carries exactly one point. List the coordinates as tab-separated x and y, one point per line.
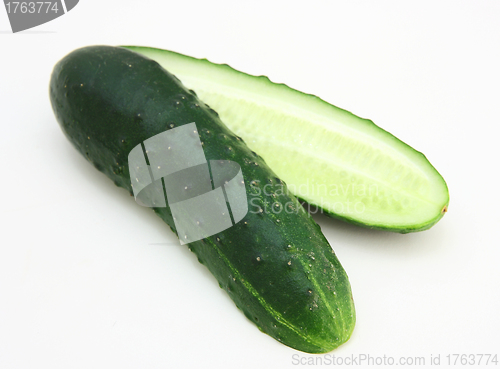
341	163
276	265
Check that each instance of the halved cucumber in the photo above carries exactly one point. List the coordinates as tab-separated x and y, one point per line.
344	164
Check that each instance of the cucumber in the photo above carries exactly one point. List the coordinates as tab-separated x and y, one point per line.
277	266
345	165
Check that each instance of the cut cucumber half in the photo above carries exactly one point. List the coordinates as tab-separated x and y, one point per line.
340	163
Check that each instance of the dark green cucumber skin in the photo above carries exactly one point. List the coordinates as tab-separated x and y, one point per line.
277	266
403	230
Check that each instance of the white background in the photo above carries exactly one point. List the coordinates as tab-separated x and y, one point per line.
84	282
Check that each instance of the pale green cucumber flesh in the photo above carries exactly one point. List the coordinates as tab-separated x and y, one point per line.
347	166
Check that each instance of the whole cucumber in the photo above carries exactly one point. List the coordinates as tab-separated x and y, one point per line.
275	263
